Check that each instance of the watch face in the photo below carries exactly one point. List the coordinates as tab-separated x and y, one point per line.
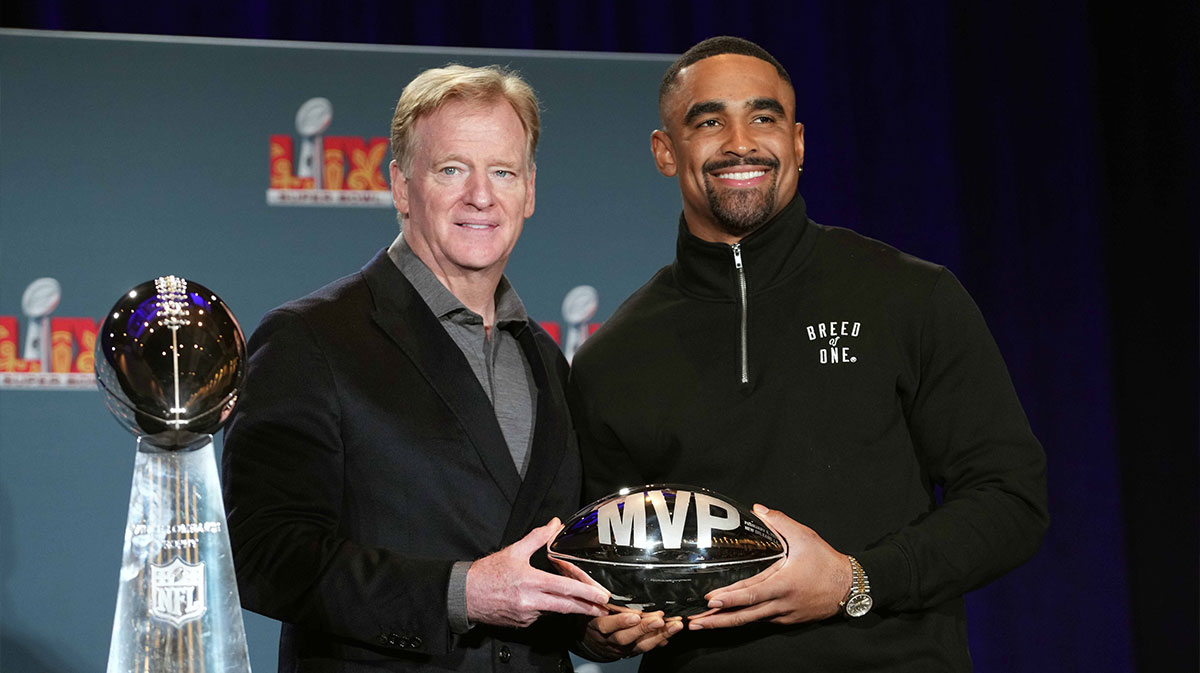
859	605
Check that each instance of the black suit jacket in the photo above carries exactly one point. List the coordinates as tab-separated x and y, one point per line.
363	460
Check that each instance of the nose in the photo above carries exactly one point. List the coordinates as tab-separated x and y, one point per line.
480	192
740	142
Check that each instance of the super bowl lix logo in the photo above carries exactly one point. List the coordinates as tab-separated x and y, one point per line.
177	591
327	170
578	308
58	352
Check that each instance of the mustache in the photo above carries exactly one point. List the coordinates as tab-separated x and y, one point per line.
718	164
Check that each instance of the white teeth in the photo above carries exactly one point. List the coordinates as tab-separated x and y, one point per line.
475	226
743	175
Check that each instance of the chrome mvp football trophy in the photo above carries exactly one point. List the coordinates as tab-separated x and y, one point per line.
664	547
170	359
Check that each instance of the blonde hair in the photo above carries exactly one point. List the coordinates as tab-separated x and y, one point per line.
434	87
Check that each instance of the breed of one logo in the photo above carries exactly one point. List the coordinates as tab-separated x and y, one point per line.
177	593
832	333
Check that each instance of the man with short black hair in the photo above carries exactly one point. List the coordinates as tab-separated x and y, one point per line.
824	374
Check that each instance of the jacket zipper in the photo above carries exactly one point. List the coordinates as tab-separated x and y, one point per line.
741	274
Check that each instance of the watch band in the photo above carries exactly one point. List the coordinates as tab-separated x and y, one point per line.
858	602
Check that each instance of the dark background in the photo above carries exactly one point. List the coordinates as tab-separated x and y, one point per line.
1046	152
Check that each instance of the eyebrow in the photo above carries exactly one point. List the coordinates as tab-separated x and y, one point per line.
766	104
464	159
703	108
710	106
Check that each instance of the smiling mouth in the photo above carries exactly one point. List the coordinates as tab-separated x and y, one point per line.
742	175
740	171
476	226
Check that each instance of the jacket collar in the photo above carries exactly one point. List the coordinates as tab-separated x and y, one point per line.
780	247
408	321
510	311
550	435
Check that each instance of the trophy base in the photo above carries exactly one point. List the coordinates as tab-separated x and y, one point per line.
177	601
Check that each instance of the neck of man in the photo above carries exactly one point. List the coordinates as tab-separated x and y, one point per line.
704	225
475	288
706	232
705	228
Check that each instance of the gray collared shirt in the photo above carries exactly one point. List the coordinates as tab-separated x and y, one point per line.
500	367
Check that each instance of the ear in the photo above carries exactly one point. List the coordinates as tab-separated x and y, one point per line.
399	189
664	153
531	194
799	144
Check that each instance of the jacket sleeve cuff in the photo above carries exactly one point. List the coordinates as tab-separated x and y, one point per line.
456	598
889	573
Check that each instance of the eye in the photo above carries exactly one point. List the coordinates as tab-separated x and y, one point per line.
764	119
450	170
502	173
708	123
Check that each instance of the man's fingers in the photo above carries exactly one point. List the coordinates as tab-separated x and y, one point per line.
651	622
749	581
567	606
536	539
670	628
563	586
789	528
659	637
609	624
568	569
761	592
630	633
648	626
726	619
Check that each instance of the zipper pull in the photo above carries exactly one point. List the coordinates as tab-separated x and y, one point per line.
737	255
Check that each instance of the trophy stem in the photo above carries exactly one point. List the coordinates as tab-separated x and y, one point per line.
177	601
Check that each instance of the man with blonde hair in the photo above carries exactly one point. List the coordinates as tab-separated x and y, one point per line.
403	428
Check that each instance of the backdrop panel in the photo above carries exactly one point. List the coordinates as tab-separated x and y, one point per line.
127	159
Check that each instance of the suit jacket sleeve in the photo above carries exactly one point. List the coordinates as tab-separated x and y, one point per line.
284	481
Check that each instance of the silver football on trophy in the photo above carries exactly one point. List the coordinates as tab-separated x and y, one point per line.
170	359
664	546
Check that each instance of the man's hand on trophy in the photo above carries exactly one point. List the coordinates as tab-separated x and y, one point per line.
628	634
805	586
503	589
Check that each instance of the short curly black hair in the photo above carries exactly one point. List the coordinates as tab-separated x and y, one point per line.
714	46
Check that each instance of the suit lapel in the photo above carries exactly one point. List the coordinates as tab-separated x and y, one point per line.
549	442
406	319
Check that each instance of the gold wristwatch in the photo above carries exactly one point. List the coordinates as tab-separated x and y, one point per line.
858	602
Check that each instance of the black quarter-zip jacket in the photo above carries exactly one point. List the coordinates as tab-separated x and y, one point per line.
844	383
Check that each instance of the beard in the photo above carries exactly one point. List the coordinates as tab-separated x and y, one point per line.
741	211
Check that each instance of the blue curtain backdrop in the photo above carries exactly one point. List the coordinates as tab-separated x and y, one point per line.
1045	152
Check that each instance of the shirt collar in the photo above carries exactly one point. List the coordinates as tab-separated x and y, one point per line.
510	311
780	247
